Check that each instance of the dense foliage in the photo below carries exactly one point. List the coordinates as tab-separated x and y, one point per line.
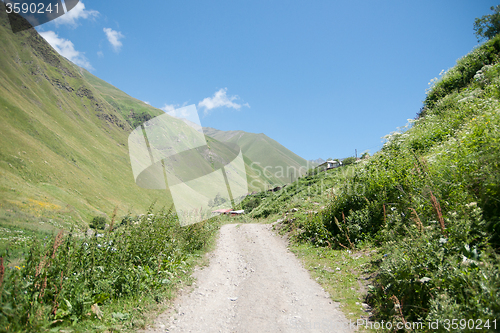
349	160
98	222
461	76
429	200
69	279
488	26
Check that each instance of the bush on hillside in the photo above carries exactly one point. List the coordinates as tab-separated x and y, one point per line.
349	160
250	204
98	223
461	75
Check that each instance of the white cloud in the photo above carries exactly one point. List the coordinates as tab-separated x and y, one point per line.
178	111
100	54
219	99
147	102
66	48
78	12
186	114
170	108
114	38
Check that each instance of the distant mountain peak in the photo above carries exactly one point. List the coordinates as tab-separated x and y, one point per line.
317	161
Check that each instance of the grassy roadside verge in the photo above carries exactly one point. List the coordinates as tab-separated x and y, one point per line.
343	274
112	280
136	313
347	275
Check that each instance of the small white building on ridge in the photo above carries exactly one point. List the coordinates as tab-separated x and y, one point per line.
330	164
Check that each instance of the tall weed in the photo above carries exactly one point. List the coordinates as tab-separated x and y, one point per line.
67	279
430	200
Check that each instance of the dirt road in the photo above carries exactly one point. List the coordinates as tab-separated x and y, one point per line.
253	284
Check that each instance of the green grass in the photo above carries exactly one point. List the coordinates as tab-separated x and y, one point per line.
428	201
54	146
123	103
115	280
265	152
343	274
64	138
310	194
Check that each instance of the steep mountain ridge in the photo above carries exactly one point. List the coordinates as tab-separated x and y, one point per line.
63	145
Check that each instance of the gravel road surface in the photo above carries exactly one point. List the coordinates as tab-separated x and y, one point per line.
253	284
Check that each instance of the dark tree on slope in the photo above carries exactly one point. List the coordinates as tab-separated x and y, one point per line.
488	26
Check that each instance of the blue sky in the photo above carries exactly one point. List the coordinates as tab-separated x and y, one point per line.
323	78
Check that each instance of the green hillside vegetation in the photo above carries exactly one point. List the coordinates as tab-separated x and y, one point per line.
283	166
104	282
134	111
429	201
64	156
63	147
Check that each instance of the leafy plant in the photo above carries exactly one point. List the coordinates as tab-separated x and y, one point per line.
71	279
98	223
488	26
349	160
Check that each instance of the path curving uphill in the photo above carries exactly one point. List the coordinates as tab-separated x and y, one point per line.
253	284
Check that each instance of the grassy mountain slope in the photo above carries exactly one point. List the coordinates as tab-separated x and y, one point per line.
266	151
63	147
134	111
428	200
